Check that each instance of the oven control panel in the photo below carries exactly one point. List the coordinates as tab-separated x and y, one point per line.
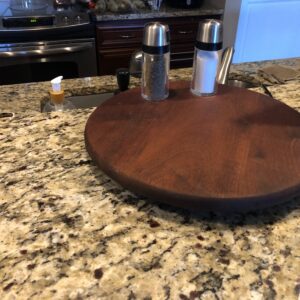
58	20
15	22
15	18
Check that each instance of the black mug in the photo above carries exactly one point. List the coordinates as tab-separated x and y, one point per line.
123	78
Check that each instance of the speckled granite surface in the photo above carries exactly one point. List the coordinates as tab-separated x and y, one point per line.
27	97
69	232
164	12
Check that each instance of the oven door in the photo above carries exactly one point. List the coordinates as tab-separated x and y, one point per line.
41	61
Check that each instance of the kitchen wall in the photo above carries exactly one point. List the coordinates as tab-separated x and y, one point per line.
262	29
231	19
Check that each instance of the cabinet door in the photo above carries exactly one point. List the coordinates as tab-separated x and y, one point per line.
268	29
117	40
109	60
182	55
183	33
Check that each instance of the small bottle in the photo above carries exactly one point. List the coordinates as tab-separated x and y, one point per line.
156	62
207	58
57	98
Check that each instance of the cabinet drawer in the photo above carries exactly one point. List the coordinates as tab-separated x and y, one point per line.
182	55
119	37
183	34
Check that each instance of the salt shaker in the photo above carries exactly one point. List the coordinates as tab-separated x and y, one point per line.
207	57
156	62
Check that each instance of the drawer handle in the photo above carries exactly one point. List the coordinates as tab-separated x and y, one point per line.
181	59
127	36
185	32
182	53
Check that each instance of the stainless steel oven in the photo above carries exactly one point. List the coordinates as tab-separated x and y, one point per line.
40	61
38	45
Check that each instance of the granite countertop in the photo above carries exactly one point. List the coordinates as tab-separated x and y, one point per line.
164	12
70	232
27	97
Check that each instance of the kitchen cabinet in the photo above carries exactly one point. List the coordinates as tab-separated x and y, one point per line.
265	29
117	40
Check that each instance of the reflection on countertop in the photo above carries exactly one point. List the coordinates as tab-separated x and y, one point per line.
70	232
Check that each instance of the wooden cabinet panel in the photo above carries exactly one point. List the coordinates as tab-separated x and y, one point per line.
119	37
182	55
110	60
117	40
183	33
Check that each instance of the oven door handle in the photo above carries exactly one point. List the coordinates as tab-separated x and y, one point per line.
46	52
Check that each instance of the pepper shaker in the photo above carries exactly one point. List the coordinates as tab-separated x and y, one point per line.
156	62
207	58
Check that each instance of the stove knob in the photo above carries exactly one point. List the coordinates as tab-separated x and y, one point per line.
66	19
78	19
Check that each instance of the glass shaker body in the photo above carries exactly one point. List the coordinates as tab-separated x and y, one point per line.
205	71
155	76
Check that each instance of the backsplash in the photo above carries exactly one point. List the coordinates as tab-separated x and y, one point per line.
119	6
144	6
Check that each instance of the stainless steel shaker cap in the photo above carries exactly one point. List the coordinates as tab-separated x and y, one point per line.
210	31
156	35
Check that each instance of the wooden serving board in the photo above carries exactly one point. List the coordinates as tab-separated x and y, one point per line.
238	150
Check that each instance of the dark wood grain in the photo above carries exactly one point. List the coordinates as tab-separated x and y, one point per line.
117	40
238	150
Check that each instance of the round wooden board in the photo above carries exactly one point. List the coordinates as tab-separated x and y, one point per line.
236	151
